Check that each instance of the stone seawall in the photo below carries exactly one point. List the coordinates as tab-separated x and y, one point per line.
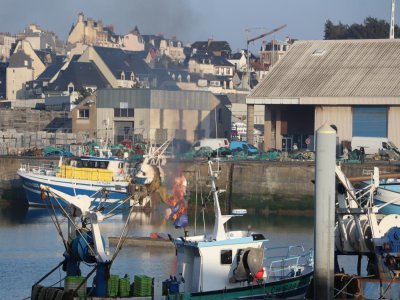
10	184
253	182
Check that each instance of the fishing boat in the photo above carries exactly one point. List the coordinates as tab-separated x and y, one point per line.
239	264
387	197
88	174
387	190
363	231
222	264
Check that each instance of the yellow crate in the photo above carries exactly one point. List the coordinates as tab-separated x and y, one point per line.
95	175
79	174
105	175
68	174
84	174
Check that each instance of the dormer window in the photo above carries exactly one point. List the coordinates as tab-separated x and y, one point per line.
179	77
71	88
132	76
122	76
179	44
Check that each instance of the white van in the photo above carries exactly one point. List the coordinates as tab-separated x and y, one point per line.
214	144
371	144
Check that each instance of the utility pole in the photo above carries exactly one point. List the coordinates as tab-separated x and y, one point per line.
391	35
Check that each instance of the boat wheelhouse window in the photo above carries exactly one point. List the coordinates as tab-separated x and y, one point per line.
92	164
258	236
103	164
226	257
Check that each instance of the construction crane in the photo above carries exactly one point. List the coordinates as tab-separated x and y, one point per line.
264	34
250	40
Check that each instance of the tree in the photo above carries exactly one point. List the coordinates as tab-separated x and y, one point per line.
372	28
83	93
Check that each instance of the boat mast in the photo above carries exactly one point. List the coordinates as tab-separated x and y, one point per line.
219	230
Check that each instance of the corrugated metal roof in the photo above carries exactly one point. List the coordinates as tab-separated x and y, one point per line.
146	98
334	68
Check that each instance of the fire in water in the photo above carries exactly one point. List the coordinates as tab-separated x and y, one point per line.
177	205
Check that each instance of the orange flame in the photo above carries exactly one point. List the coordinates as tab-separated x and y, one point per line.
177	197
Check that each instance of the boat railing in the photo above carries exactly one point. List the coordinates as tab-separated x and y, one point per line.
43	168
288	265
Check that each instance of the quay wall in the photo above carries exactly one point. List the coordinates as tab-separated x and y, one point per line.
252	184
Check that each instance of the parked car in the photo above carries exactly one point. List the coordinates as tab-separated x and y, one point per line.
214	144
245	147
221	152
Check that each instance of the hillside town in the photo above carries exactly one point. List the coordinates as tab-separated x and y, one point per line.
140	87
104	87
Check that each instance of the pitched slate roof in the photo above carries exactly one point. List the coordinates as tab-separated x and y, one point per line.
18	59
50	71
207	46
46	56
119	61
211	59
80	74
366	69
149	37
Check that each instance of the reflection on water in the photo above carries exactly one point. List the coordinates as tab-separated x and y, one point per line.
30	246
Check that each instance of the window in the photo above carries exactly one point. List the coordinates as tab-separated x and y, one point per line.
226	257
83	113
124	112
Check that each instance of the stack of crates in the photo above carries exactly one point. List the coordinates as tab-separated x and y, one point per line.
124	286
105	175
72	282
112	286
142	286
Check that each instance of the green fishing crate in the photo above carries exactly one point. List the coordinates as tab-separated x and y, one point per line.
112	286
124	287
142	286
72	282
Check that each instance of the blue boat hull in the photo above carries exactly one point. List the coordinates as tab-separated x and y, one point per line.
31	185
386	194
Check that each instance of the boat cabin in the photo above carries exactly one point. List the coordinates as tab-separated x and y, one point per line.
102	169
209	265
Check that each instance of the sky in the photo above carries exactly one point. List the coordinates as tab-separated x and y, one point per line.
196	20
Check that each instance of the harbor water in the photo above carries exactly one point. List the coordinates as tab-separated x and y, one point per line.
30	246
